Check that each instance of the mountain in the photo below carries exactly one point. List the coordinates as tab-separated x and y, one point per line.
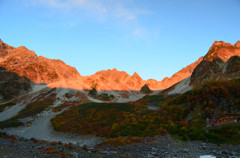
111	80
219	63
39	69
180	75
55	73
222	62
120	80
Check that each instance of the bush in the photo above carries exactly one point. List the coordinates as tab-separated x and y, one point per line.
10	123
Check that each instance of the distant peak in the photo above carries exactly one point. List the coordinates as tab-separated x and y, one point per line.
1	42
222	51
135	74
22	47
221	43
114	69
218	43
237	44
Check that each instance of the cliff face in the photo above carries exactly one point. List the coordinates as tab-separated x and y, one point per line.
12	85
38	69
222	62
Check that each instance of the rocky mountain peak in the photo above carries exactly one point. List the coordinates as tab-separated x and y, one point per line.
25	62
218	43
237	44
3	49
223	51
135	75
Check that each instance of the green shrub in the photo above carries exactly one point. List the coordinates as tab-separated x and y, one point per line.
10	123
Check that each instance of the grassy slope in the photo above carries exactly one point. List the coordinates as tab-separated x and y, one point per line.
212	99
182	116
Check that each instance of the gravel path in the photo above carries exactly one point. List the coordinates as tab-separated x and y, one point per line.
42	129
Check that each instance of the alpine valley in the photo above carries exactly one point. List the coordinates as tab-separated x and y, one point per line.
48	109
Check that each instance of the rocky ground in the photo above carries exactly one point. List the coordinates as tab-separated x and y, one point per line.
14	147
162	146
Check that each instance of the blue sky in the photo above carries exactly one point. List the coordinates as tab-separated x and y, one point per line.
154	38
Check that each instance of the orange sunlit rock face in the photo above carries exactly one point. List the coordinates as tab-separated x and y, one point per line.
38	69
56	73
223	51
180	75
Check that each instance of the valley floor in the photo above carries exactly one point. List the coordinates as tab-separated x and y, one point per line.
161	146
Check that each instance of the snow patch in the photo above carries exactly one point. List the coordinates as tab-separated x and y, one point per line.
9	112
118	96
182	87
61	93
225	67
133	96
38	87
207	156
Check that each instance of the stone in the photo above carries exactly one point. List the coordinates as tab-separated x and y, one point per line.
224	152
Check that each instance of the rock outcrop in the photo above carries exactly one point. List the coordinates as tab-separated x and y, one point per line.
12	85
93	92
145	89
